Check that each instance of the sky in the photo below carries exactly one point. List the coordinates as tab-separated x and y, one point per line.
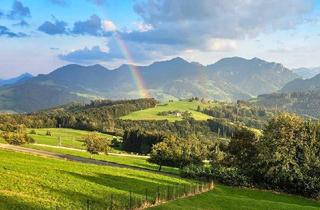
38	36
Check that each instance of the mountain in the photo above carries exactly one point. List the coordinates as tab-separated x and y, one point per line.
228	79
302	85
307	73
301	96
302	103
21	78
254	76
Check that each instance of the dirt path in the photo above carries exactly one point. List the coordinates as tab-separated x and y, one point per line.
77	159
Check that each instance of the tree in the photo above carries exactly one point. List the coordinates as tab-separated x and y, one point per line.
176	152
19	136
242	149
95	143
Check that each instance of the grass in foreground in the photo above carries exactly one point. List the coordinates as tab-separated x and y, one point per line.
182	106
62	137
233	198
140	162
31	182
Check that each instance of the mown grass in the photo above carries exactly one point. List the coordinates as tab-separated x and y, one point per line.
62	137
140	162
31	182
233	198
182	106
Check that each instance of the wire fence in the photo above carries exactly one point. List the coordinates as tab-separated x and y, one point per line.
147	198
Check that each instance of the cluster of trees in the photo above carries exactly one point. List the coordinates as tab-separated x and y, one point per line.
16	135
285	157
97	116
241	113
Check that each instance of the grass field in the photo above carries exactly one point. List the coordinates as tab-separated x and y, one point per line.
136	161
232	198
182	106
31	182
62	137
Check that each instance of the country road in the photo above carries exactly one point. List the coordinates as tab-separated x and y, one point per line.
76	158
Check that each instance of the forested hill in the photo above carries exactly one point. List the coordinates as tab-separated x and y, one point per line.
228	79
301	96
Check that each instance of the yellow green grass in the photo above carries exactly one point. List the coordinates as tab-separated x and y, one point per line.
62	137
233	198
32	182
182	106
136	161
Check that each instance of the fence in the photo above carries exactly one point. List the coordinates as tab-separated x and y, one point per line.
147	198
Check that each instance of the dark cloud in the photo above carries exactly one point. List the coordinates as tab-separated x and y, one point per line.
4	31
22	23
92	26
19	11
96	54
86	55
54	28
98	2
192	22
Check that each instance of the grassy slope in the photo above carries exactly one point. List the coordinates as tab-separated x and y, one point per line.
131	161
31	182
69	137
152	113
232	198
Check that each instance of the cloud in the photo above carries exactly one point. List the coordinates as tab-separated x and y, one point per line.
92	26
108	26
113	52
86	55
19	11
142	27
22	23
4	31
191	23
221	45
53	28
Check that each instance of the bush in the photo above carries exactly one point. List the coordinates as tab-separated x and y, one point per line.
33	132
226	175
18	137
48	133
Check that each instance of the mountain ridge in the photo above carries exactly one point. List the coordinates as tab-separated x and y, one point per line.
170	79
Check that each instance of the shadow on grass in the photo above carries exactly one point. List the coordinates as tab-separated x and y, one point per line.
13	202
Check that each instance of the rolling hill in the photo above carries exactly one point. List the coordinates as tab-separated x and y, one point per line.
18	79
228	79
301	96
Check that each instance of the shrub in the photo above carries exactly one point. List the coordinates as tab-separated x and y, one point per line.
33	132
225	175
48	133
18	137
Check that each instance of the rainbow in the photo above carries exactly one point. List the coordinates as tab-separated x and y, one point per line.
143	91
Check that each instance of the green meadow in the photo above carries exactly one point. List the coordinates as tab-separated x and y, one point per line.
32	182
233	198
62	137
135	161
182	106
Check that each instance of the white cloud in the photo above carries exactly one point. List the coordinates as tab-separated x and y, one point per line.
221	45
143	27
108	26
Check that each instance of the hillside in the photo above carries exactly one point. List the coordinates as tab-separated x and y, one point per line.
45	183
15	80
172	111
301	96
302	103
228	79
307	73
